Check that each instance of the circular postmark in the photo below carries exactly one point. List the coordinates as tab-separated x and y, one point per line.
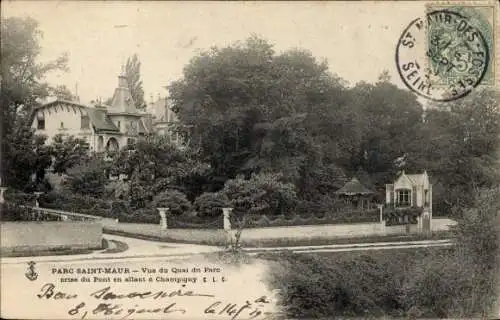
443	56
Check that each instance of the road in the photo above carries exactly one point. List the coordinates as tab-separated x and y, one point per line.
145	250
164	269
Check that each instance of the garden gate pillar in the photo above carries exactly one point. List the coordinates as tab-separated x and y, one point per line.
426	221
37	205
163	217
419	223
37	194
227	214
382	221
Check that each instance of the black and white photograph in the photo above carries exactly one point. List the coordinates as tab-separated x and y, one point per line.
237	160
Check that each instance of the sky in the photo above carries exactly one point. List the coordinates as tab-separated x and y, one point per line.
358	39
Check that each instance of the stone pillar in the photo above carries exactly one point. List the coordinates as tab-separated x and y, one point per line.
381	212
227	214
426	221
2	191
430	206
382	221
163	216
37	205
37	194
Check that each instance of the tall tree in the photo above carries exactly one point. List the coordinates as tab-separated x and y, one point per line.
156	165
242	102
133	73
460	146
62	92
22	85
26	157
22	75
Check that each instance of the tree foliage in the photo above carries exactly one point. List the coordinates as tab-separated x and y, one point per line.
62	92
22	86
261	194
210	204
459	146
251	110
88	178
68	151
155	165
175	200
26	158
133	74
22	74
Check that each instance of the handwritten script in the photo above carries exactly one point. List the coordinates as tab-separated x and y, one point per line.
110	303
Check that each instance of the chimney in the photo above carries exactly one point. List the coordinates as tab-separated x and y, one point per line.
122	78
122	81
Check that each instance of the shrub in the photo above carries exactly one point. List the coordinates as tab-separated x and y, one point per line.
10	211
175	200
14	196
188	221
88	178
261	194
143	215
344	285
77	203
209	204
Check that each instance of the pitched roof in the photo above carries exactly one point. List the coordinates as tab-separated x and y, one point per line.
100	120
97	116
57	100
122	98
417	179
354	187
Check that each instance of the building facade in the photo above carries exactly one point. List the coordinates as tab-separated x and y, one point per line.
414	192
105	128
410	190
164	120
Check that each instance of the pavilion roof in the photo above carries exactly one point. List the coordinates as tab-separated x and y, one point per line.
354	187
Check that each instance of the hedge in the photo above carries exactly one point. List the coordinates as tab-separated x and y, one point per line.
422	283
367	216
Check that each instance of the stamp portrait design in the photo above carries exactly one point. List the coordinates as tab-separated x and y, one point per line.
443	56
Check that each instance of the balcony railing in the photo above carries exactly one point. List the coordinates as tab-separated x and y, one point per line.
16	212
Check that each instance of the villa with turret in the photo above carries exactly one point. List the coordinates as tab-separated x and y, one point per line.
105	128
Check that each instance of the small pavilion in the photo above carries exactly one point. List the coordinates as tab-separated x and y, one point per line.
355	194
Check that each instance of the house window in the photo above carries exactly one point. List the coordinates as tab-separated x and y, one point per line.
118	124
62	125
85	122
130	141
40	122
404	197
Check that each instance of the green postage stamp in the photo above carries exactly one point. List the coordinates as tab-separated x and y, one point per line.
449	51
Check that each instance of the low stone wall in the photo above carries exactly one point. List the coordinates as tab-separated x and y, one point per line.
49	235
401	229
350	230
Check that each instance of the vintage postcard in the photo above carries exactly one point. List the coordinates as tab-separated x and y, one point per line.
250	160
